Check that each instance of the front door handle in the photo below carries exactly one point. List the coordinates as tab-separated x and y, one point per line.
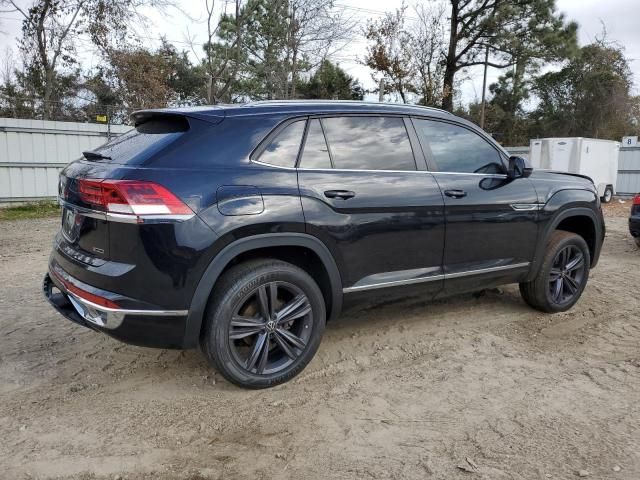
343	194
455	193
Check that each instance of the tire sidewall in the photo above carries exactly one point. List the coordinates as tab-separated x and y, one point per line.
220	318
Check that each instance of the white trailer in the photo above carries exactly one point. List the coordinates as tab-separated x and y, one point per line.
595	158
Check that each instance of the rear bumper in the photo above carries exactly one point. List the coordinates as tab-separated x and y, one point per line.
143	327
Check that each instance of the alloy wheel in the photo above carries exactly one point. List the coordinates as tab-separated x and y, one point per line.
270	327
567	274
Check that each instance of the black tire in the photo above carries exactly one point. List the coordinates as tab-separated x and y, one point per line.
542	292
608	194
278	349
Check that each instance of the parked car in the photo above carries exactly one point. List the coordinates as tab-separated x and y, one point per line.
634	219
243	228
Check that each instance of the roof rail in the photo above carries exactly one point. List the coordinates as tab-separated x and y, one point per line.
340	102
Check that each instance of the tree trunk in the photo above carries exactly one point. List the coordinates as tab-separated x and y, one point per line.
451	64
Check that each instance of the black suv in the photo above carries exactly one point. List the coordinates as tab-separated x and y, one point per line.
634	219
242	228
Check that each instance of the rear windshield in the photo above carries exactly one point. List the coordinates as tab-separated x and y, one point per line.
144	140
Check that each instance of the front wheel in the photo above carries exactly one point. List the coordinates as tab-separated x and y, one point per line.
264	323
562	276
608	195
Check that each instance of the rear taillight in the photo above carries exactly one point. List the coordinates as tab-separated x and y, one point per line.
636	199
131	197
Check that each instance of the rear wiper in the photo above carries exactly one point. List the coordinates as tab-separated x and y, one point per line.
95	156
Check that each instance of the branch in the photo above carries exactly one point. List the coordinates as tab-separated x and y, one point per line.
64	34
490	64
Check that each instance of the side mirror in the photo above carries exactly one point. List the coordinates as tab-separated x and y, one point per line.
518	168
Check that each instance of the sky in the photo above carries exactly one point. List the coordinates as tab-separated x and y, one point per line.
619	16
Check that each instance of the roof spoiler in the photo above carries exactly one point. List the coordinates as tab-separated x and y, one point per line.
210	114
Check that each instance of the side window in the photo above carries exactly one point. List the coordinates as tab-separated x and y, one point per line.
457	149
369	143
315	153
283	149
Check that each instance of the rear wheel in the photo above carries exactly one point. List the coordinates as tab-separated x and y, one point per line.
264	323
608	194
562	276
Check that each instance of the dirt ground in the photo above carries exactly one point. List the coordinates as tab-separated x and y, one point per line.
469	387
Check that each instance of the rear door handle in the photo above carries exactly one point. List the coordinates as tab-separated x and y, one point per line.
455	193
343	194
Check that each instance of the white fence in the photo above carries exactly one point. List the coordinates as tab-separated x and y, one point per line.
629	170
32	153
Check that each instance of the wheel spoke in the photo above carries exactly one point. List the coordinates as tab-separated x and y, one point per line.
296	308
263	302
554	274
291	338
557	290
260	345
571	284
273	299
284	346
241	321
576	262
264	355
564	255
244	332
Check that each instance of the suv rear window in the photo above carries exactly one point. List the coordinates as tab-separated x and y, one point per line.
369	143
145	139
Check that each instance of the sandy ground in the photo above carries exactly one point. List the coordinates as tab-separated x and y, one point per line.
400	390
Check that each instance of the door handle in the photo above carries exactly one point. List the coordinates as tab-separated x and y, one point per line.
455	193
343	194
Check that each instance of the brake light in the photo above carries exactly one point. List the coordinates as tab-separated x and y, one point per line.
131	197
636	199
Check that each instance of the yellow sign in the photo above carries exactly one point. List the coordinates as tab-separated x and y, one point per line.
101	118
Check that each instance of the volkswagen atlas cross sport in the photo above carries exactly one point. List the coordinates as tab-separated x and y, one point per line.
242	228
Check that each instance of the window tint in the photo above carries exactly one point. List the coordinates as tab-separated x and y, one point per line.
315	153
457	149
283	149
369	143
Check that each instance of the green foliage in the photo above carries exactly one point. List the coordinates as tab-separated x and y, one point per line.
330	82
40	209
589	97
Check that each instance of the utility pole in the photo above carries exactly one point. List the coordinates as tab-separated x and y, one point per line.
484	85
381	91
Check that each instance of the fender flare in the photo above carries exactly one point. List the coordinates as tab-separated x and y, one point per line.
231	251
552	226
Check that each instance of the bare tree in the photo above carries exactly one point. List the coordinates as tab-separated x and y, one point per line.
223	48
50	30
316	31
426	45
7	67
390	53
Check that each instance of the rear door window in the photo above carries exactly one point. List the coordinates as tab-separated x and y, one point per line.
282	150
369	143
457	149
315	153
